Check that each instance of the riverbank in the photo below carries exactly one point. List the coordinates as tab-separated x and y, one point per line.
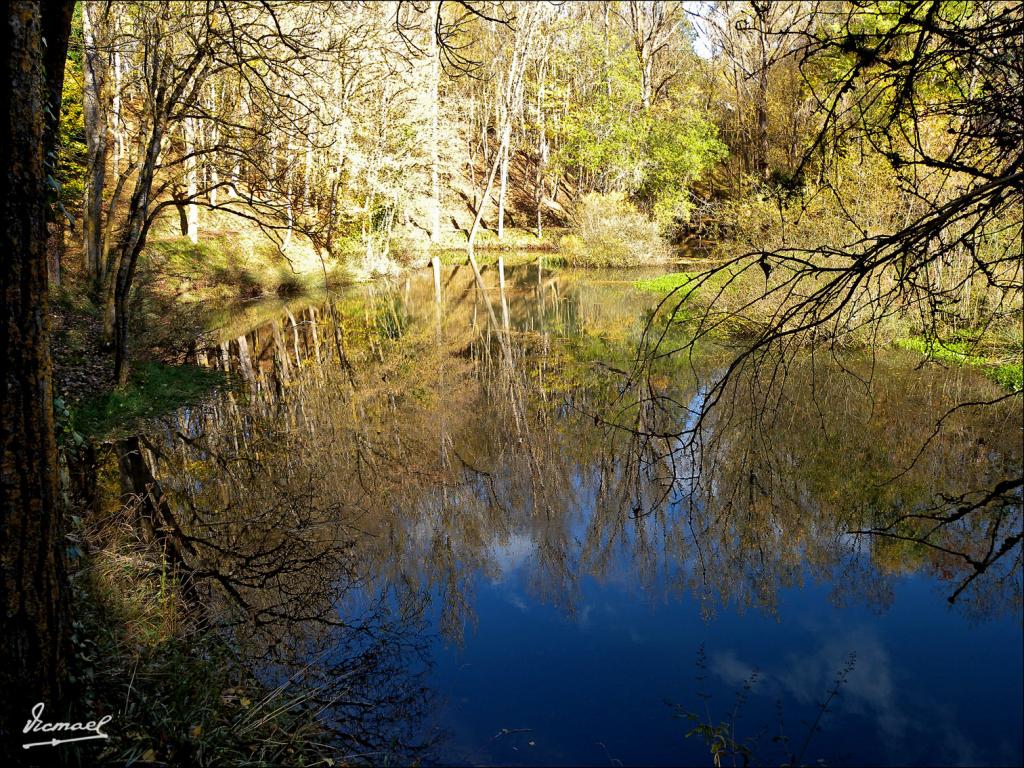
182	290
177	690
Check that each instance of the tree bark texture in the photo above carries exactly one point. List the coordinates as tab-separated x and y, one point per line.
33	579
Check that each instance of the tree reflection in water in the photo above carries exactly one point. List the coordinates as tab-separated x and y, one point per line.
379	449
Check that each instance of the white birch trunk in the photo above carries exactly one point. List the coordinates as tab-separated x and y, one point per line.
435	76
214	141
96	144
192	180
503	180
115	113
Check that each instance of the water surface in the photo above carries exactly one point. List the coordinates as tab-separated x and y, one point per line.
524	563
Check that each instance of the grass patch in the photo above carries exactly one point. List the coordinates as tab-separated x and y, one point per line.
221	262
153	389
1008	375
665	283
233	258
946	352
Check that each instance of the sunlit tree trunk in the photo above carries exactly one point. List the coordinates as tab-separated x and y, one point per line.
503	185
192	180
646	64
607	51
211	161
485	198
435	138
115	112
95	114
289	193
307	172
512	95
236	167
542	146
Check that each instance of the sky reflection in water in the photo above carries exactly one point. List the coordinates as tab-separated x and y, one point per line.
927	686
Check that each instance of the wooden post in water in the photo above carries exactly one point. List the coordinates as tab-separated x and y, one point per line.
316	336
435	264
245	361
501	291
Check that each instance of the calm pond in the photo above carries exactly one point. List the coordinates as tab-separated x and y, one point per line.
522	562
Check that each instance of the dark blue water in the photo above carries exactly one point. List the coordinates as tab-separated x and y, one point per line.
926	686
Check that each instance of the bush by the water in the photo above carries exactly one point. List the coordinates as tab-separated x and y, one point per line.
609	231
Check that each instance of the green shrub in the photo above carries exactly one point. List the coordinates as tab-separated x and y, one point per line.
609	231
1009	375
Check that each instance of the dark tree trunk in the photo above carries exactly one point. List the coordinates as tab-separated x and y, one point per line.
183	220
56	21
181	205
761	156
33	579
132	241
762	11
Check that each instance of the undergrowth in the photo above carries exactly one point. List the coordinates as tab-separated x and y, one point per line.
1008	375
177	690
153	389
609	231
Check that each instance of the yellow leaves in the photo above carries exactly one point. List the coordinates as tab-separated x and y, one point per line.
659	381
236	694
